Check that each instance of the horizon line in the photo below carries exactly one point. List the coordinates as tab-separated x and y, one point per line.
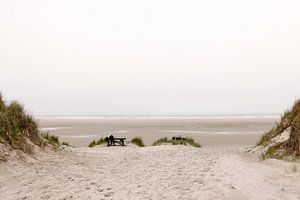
163	115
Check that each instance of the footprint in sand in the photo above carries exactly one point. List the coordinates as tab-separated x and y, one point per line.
108	194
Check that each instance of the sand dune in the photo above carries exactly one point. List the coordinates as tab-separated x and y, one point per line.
162	172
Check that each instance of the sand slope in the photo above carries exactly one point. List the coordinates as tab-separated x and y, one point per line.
162	172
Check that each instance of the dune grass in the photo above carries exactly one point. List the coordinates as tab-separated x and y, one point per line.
289	149
53	140
188	140
19	130
137	141
278	128
65	144
160	141
191	142
98	142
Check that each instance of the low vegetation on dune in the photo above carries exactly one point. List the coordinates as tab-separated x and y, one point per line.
160	141
65	144
187	141
283	141
191	142
98	142
19	130
53	140
137	141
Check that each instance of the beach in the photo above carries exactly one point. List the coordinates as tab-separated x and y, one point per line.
150	100
207	130
223	168
160	172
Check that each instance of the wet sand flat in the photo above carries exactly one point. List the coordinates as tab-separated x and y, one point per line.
209	131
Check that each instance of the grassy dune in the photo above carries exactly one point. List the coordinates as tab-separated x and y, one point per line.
19	130
283	140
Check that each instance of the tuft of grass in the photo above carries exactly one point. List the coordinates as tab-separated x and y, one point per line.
272	153
54	140
266	137
188	140
178	142
92	144
161	141
99	142
191	142
138	141
65	144
51	139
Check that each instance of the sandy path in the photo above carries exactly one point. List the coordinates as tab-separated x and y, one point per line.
164	172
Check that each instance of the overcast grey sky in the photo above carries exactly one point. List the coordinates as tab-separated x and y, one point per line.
94	57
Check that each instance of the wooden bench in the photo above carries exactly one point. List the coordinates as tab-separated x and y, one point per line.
178	138
120	141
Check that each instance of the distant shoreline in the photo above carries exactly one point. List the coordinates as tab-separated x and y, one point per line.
271	116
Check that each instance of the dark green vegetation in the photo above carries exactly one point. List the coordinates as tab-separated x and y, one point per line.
162	141
19	130
53	140
137	141
99	142
189	141
289	148
65	144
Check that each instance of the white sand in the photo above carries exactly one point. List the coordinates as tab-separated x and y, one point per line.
163	172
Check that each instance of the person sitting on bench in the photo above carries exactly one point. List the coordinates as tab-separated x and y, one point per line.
107	140
111	140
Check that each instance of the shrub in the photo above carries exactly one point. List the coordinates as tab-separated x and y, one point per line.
161	141
92	144
189	141
99	142
138	141
65	143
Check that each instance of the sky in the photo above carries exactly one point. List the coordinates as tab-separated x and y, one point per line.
159	57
